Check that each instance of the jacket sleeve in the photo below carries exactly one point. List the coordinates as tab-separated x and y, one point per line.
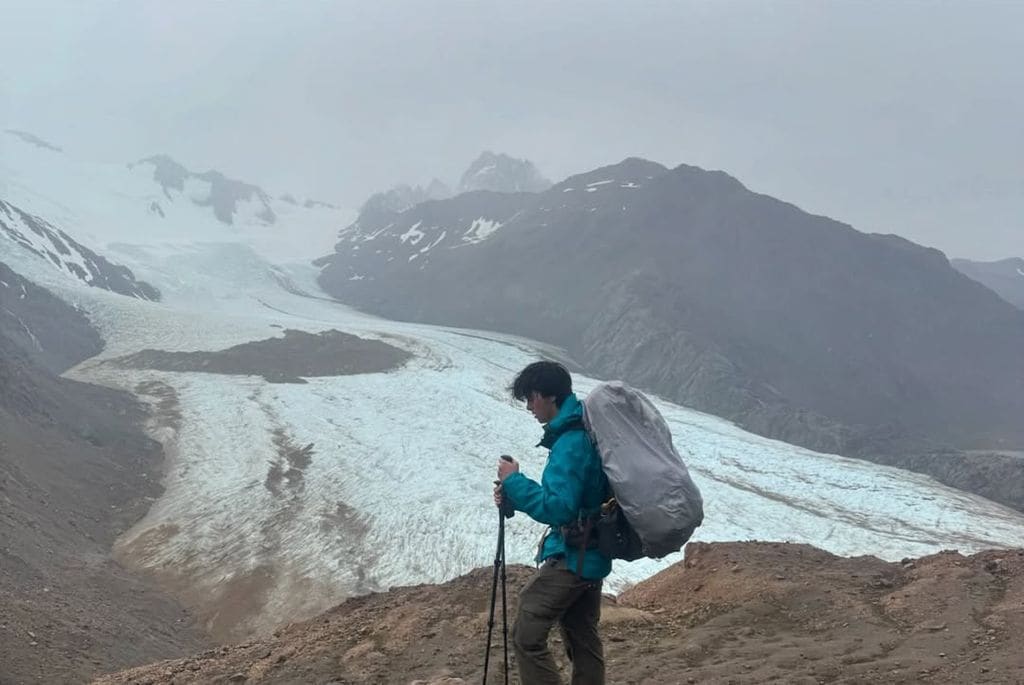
555	501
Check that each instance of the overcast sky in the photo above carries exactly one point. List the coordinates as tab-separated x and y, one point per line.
896	117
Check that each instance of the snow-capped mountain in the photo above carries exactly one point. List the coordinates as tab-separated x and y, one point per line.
282	499
159	202
1005	277
502	174
36	236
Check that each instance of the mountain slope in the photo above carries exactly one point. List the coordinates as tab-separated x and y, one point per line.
30	315
1005	277
75	471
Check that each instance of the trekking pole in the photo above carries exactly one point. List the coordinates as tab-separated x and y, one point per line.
504	602
499	562
504	511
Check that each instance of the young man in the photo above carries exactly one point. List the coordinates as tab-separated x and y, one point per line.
567	586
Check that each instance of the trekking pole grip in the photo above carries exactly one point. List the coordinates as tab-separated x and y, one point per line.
507	510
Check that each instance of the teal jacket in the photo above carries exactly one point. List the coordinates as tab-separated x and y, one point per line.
572	484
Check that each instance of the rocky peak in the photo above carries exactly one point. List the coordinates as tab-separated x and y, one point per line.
503	174
216	190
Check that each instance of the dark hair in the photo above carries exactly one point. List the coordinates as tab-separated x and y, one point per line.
550	379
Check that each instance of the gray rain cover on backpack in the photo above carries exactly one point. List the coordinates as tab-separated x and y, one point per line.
646	473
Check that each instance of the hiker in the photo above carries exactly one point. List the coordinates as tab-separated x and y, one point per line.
567	585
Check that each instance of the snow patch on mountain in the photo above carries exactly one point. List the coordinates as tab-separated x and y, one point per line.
410	237
413	235
481	229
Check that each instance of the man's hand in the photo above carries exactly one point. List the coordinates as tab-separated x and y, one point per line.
506	467
499	497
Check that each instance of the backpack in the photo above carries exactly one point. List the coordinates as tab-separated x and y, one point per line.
654	506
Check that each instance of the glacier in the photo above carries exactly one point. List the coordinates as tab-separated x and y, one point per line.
397	486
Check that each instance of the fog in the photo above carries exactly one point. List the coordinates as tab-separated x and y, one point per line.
897	118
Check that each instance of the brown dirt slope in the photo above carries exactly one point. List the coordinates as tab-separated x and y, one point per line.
730	613
75	471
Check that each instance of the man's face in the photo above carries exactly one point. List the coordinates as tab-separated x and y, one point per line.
543	408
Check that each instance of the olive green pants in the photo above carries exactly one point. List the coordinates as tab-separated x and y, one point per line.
557	594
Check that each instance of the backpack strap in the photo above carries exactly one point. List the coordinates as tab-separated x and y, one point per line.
575	424
584	526
587	525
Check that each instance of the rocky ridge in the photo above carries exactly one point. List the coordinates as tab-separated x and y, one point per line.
209	189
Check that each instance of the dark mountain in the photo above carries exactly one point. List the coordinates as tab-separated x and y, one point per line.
56	247
224	194
75	471
502	174
1005	277
686	283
